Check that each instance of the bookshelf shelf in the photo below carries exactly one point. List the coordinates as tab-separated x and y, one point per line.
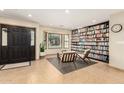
95	37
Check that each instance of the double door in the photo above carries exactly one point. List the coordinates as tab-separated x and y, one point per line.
17	44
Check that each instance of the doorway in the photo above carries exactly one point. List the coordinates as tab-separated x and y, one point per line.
17	44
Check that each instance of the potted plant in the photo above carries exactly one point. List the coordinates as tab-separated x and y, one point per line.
42	49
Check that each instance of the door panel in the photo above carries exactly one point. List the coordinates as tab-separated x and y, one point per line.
33	52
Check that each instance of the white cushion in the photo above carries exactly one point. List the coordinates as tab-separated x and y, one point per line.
86	51
81	55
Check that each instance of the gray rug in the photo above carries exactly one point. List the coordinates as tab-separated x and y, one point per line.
68	67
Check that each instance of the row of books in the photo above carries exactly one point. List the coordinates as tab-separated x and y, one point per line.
95	35
74	42
102	26
74	32
102	43
94	39
83	30
87	47
101	31
96	43
74	45
102	35
94	32
90	46
75	39
75	35
103	47
99	52
100	57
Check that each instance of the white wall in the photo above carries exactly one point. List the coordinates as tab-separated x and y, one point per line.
26	24
116	42
54	30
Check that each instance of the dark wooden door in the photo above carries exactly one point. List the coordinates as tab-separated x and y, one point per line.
19	41
0	42
18	47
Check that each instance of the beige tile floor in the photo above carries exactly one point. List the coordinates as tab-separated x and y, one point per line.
42	71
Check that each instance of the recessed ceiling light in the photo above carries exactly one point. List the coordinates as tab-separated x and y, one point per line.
94	21
29	15
67	11
1	9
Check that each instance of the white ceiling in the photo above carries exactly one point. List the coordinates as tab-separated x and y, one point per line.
58	18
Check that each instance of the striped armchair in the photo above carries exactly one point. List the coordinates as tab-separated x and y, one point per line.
67	57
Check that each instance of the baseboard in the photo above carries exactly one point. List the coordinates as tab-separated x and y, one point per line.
115	67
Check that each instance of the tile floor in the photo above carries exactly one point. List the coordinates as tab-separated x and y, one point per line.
42	71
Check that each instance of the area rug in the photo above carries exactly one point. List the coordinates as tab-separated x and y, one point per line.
65	68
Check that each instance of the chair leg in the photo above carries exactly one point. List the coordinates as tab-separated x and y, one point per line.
89	61
75	65
59	61
60	64
85	61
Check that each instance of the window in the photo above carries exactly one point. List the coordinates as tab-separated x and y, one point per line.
56	41
65	41
45	39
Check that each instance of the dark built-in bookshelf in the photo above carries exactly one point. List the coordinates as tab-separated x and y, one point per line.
94	37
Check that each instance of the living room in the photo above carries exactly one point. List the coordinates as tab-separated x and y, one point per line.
61	46
61	50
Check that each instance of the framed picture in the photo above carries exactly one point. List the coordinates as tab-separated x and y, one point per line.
54	40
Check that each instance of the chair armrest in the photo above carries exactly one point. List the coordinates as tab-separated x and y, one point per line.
58	56
81	56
